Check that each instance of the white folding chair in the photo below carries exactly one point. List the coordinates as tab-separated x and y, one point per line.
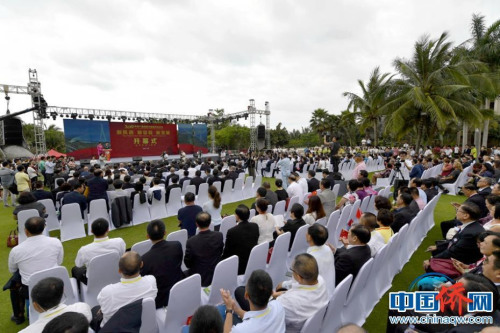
191	188
336	189
183	301
225	277
97	210
293	200
332	319
258	182
140	212
181	236
174	201
148	316
227	192
142	247
70	287
343	221
22	216
354	212
202	196
252	213
331	225
72	224
299	244
101	271
248	189
51	219
218	185
364	204
55	181
257	260
321	221
277	264
158	209
354	311
279	208
227	223
237	190
313	324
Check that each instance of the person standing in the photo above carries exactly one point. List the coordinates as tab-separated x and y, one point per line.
22	180
251	164
334	152
7	176
285	166
49	172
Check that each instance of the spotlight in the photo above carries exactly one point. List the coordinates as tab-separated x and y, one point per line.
123	118
79	116
109	118
139	119
73	115
91	117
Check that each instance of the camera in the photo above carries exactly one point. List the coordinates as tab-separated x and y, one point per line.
397	165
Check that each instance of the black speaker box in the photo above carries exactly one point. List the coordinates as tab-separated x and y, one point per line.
137	158
261	132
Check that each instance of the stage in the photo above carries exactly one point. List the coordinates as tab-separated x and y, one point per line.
157	158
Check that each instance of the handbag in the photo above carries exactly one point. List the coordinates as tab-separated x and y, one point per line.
443	266
12	239
13	188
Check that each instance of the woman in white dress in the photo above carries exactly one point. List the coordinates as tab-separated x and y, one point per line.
213	207
264	220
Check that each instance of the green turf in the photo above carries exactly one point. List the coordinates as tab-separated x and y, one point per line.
375	323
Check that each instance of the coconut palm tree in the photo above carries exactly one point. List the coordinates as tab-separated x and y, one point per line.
319	121
368	105
433	88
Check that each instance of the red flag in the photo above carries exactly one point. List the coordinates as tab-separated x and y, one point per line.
359	213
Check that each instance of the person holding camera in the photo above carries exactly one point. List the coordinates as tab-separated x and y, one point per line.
334	152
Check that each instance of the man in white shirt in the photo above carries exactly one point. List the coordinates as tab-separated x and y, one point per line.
49	172
264	316
303	184
36	253
306	292
294	189
156	187
46	298
131	287
316	237
102	244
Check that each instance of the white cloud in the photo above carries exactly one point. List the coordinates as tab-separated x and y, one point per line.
189	56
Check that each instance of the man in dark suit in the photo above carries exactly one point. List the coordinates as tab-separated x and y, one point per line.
40	194
470	191
197	180
293	224
204	250
214	178
261	193
97	187
350	258
404	214
463	246
312	182
241	239
232	174
170	175
174	180
484	186
76	196
271	196
429	188
163	261
185	178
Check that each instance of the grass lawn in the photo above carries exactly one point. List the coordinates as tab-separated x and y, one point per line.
375	323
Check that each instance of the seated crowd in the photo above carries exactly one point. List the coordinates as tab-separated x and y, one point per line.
470	245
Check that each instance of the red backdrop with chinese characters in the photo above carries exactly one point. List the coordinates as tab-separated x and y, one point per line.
142	139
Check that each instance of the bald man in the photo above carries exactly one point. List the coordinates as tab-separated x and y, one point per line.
132	286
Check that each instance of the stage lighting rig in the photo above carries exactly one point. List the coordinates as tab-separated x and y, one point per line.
74	115
123	118
91	116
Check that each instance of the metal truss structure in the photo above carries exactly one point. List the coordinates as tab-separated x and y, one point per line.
41	112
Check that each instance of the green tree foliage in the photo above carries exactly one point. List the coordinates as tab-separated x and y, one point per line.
432	90
279	136
54	138
368	106
233	137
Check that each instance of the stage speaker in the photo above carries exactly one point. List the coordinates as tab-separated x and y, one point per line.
13	131
85	161
261	132
137	158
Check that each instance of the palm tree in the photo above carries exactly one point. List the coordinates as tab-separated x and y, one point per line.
368	105
485	47
319	121
432	90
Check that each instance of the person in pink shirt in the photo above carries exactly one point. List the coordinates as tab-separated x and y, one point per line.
360	165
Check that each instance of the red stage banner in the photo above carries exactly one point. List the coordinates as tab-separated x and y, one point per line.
142	139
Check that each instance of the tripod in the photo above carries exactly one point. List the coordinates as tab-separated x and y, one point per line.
397	173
